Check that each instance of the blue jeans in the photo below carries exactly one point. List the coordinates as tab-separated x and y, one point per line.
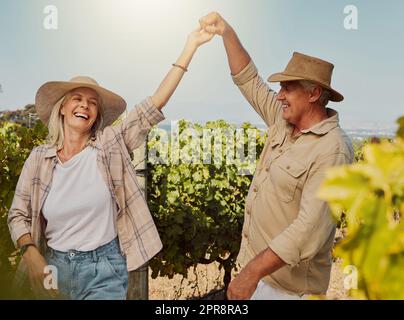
99	274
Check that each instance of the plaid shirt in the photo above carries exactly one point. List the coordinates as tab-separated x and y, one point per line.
139	239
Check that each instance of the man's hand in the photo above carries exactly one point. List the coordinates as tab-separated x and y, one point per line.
214	23
236	55
36	264
243	285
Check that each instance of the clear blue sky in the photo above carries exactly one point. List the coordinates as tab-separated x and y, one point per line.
129	45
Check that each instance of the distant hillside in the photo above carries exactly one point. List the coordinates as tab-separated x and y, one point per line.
26	117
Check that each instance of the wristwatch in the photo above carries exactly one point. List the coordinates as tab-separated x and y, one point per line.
24	247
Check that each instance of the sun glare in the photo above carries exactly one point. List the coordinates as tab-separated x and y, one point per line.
144	12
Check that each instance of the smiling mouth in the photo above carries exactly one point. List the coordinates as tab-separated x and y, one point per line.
81	115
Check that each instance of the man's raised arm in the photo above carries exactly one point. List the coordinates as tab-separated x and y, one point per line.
237	56
245	74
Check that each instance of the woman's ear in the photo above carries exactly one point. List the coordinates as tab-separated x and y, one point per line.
62	111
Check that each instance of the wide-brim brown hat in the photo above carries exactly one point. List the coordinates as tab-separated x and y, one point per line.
304	67
51	92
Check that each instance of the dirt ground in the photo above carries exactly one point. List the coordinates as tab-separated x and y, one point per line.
203	282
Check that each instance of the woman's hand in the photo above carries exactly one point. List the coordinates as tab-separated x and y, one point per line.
198	37
36	264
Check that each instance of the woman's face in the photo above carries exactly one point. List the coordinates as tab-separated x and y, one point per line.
80	110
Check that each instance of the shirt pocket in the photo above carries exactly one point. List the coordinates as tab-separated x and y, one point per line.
286	176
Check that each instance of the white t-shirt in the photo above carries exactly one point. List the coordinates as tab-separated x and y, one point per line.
79	209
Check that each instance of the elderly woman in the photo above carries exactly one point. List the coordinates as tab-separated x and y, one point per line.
77	205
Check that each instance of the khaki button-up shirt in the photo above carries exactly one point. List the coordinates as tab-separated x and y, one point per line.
138	236
282	209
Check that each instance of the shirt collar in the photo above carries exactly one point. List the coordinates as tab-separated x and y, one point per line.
326	125
51	152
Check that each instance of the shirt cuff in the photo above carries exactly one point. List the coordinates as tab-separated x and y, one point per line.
152	113
285	249
17	231
245	75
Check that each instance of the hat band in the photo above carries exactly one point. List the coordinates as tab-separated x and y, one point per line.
307	77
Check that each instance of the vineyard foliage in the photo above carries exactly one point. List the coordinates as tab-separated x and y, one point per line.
16	143
199	207
371	195
197	183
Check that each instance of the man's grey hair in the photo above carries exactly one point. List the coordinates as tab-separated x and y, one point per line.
325	94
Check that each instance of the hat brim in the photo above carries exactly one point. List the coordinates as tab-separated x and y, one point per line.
282	77
51	92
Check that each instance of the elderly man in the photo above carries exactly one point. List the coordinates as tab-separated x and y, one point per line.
288	232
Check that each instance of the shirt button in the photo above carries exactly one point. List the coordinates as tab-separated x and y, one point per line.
280	150
288	167
255	189
246	235
266	169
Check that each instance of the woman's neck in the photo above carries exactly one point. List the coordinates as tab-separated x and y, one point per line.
73	143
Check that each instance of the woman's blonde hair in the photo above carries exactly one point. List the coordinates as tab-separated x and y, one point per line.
56	134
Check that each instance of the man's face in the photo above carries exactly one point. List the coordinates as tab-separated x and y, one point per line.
295	101
80	110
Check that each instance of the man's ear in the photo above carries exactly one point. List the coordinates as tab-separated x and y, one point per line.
315	94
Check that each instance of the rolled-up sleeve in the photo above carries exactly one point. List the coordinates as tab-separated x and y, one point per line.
257	92
137	124
308	233
20	214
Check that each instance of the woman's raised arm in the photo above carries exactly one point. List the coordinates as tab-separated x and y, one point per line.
174	76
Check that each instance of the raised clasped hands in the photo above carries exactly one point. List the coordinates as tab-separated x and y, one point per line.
198	37
209	25
214	23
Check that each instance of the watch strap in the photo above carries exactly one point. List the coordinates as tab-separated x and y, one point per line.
25	246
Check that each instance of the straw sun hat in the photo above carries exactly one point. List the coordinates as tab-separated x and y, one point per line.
51	92
304	67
